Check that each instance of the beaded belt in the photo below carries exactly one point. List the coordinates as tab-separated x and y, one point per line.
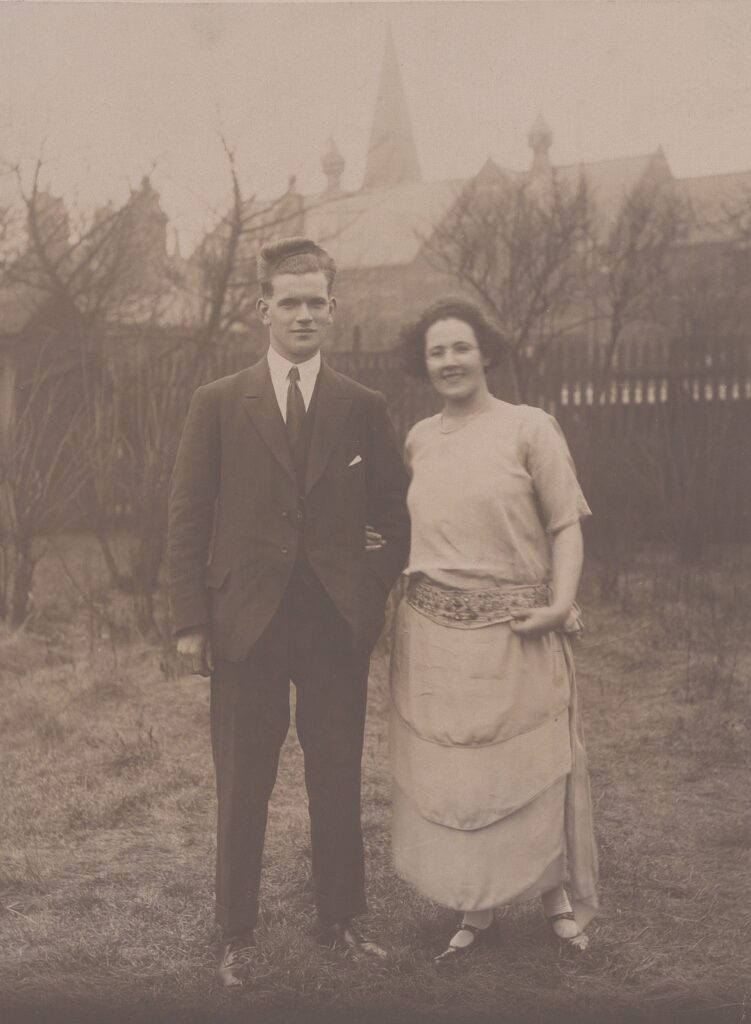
469	609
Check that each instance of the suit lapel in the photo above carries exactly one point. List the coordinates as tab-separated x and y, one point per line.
261	406
332	408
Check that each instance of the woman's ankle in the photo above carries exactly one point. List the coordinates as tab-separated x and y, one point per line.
478	918
555	901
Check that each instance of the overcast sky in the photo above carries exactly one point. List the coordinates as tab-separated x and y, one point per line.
117	89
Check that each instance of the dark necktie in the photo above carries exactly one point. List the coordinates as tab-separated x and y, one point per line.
295	416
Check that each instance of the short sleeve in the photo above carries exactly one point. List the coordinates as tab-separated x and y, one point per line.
551	468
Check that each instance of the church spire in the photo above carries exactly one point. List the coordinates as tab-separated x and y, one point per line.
392	154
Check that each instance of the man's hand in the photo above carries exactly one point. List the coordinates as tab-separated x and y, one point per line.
194	651
373	539
534	622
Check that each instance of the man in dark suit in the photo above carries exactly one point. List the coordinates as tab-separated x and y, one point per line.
287	529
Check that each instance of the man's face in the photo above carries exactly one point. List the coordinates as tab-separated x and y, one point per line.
298	314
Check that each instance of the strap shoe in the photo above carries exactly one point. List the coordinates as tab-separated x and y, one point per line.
567	933
478	937
237	955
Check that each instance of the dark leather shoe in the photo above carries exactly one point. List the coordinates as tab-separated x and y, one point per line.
347	939
234	966
480	937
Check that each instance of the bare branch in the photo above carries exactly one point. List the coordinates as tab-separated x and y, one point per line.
634	262
515	244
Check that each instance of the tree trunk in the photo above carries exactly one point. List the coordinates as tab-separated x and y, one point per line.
121	581
146	564
21	577
144	607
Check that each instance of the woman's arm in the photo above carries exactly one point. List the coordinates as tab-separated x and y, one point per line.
567	549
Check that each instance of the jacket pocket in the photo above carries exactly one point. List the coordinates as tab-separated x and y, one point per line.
214	576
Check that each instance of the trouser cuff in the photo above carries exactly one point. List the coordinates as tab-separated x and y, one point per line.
233	920
340	913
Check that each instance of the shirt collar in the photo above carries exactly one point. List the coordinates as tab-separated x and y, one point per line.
279	367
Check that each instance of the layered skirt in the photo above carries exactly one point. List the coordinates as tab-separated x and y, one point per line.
491	800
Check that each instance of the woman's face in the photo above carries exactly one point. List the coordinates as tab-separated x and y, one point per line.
454	360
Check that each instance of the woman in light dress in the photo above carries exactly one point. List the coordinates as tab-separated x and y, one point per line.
491	796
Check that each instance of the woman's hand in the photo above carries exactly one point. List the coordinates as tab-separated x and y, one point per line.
534	622
567	554
374	541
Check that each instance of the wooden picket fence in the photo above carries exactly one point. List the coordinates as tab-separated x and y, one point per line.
661	435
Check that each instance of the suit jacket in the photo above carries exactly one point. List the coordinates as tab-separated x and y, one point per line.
237	522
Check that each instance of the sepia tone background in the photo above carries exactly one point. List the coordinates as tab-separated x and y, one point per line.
581	170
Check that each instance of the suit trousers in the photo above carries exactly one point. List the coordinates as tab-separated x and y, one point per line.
309	644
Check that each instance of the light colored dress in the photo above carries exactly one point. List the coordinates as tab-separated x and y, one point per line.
491	799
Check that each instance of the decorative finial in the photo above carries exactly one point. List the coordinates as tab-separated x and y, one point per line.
540	139
332	163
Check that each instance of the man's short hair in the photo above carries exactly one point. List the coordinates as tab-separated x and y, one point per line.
292	256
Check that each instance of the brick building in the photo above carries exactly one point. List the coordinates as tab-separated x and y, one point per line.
377	233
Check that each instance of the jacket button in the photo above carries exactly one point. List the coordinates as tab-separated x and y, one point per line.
284	513
285	551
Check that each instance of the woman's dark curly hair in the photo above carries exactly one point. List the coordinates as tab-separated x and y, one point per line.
489	338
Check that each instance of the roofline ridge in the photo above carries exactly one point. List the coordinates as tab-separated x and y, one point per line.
719	174
650	155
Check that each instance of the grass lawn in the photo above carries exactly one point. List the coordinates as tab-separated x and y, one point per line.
107	821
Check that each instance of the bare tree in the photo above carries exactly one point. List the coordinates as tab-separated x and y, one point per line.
142	393
706	436
38	481
630	273
683	460
223	281
137	403
633	263
138	332
76	280
735	219
516	244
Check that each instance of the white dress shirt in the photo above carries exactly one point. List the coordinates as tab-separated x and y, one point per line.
279	368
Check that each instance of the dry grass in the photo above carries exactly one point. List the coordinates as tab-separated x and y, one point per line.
107	821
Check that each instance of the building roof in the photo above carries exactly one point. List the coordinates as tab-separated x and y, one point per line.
713	201
386	227
385	222
379	227
610	181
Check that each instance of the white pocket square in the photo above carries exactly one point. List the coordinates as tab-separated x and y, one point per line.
357	458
